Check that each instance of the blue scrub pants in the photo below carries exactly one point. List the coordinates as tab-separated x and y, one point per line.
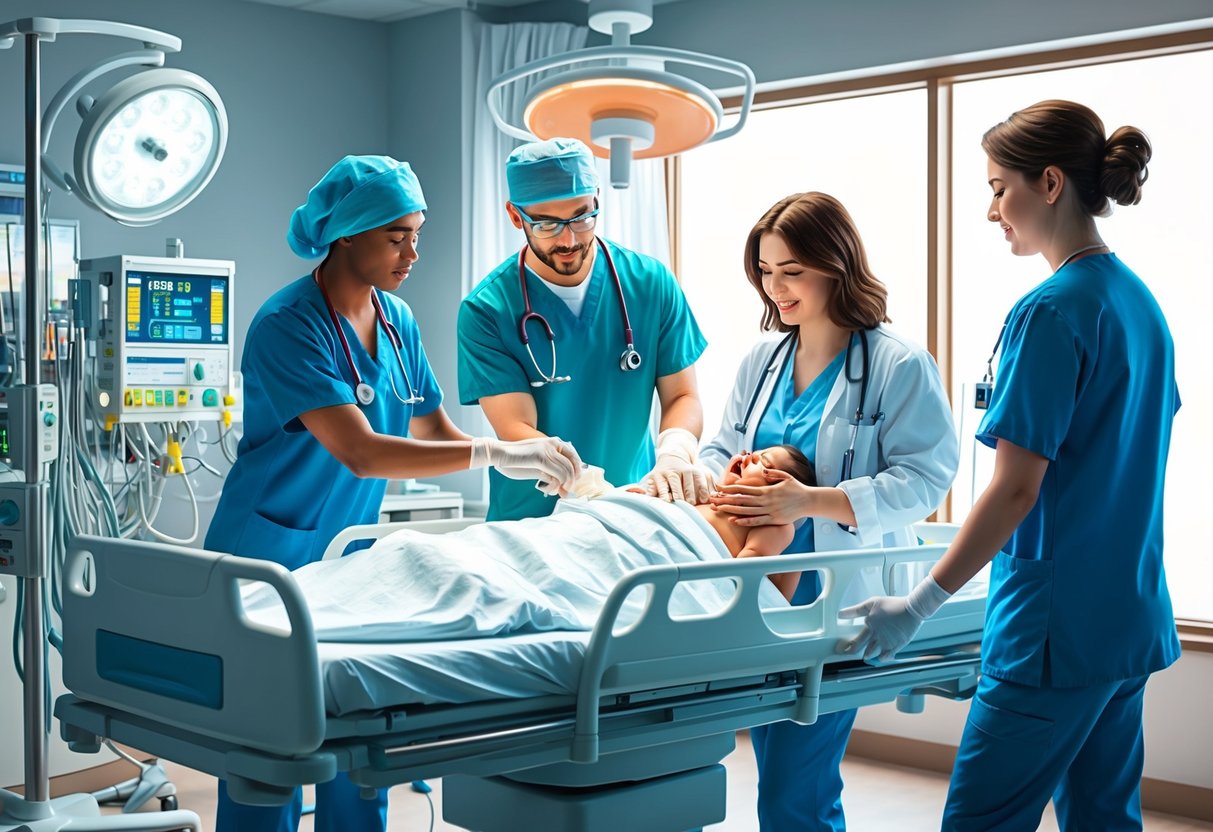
338	807
1021	745
799	782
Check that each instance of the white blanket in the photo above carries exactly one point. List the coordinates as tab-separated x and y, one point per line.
550	573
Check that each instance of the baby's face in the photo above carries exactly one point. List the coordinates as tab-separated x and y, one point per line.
752	466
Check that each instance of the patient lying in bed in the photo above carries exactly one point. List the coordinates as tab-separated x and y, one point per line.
547	573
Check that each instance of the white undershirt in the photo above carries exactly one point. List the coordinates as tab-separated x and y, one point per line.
573	296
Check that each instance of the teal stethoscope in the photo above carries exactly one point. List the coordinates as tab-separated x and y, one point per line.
785	346
363	392
628	361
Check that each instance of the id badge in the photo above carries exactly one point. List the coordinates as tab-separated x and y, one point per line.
981	395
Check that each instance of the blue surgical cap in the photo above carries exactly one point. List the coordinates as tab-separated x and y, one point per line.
357	194
551	170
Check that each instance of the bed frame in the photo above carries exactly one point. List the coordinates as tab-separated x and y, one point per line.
159	655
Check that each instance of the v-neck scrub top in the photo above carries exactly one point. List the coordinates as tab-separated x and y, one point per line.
603	411
287	496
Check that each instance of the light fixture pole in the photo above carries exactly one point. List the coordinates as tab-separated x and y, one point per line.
35	811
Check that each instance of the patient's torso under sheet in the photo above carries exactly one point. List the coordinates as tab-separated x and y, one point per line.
526	576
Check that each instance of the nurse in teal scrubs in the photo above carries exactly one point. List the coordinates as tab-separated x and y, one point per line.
340	398
868	408
1078	614
572	335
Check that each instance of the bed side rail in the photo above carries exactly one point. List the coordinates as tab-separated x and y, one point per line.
659	650
159	630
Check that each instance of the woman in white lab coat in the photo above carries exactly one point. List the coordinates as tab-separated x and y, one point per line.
868	408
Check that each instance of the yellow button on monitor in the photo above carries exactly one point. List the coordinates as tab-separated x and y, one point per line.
183	398
138	394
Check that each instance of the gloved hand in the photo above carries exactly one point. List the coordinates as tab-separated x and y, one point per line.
544	458
892	621
677	475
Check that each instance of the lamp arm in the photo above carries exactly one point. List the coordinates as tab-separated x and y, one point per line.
48	28
601	53
146	57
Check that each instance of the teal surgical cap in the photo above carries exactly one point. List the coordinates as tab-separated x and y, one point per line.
551	170
357	194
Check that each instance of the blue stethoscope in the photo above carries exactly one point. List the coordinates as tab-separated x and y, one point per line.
363	392
628	361
785	346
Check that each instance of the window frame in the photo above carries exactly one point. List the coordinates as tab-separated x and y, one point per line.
938	80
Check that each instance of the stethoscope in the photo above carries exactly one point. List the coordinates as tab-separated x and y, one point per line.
628	361
785	346
363	392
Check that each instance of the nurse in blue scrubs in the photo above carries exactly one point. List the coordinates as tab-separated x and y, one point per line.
572	335
868	408
340	398
1078	615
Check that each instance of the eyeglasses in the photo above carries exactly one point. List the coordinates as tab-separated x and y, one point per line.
544	229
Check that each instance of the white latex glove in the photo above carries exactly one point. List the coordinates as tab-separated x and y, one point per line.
677	475
892	621
544	458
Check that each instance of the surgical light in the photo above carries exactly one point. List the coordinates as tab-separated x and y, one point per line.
621	100
150	145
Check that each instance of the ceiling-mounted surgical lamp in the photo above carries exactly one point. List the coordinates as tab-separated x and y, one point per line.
621	99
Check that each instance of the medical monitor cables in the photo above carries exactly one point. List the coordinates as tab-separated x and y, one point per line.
621	100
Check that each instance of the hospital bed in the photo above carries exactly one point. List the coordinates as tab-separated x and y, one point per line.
621	727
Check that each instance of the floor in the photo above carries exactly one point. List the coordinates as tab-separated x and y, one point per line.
878	798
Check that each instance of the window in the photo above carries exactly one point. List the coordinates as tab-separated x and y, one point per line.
839	147
1164	239
870	151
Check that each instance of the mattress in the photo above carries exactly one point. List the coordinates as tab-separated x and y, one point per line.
371	676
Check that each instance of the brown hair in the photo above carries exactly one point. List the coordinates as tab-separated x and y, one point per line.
1071	137
800	468
821	234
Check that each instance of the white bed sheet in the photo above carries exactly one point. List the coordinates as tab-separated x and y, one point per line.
363	676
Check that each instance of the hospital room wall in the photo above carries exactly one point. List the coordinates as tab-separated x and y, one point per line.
432	60
301	90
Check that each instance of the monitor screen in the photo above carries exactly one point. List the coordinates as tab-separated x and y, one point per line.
176	308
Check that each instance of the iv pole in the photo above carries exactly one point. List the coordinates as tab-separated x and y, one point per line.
36	811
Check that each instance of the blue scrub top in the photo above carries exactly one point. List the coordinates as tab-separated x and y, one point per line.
796	420
1086	379
603	411
287	497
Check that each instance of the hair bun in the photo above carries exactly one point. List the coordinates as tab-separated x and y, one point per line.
1126	154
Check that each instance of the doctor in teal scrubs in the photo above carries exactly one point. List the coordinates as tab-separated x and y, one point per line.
1078	615
572	335
340	398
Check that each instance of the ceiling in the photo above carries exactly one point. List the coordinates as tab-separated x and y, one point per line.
385	11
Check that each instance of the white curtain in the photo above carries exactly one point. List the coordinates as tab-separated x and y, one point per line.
503	47
634	217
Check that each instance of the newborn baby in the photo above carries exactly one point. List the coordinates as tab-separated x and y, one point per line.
758	541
